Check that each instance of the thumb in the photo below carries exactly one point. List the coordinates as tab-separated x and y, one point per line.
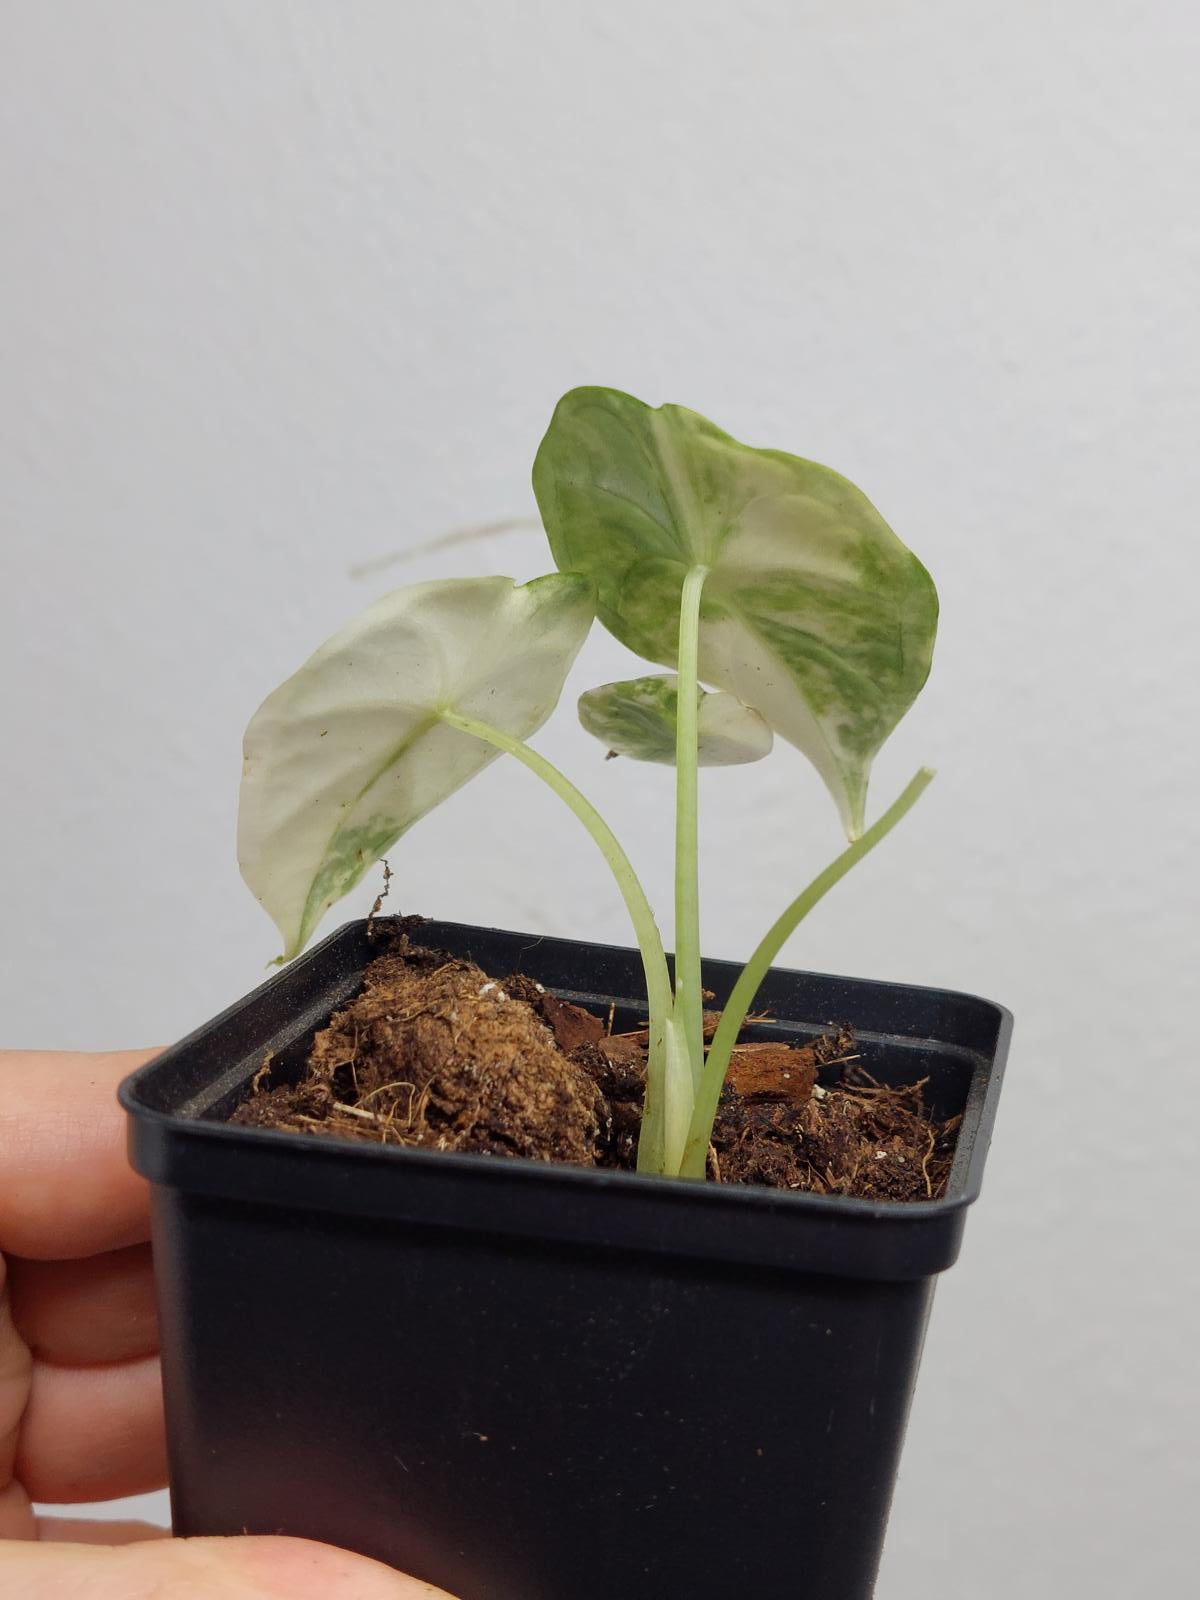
181	1569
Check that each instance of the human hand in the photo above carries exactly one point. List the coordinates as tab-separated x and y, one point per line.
80	1404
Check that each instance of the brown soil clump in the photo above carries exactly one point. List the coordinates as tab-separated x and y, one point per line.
433	1052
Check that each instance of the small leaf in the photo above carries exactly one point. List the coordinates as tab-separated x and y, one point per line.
637	719
813	612
346	755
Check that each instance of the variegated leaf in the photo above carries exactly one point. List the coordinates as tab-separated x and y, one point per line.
637	719
813	611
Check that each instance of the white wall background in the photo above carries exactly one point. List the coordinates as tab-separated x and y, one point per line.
289	285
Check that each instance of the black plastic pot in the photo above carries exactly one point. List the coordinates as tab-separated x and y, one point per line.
528	1382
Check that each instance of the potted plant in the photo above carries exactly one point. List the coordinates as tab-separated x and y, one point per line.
413	1299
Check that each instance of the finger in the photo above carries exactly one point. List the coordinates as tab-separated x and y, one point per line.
16	1370
66	1188
92	1433
82	1313
76	1530
17	1520
224	1569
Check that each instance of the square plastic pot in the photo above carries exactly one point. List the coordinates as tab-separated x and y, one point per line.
522	1381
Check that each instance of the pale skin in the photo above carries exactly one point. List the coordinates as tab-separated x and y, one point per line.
80	1408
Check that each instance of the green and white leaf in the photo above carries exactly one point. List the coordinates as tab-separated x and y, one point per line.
636	718
346	755
813	611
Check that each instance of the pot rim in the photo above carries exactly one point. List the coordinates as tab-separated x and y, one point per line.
171	1144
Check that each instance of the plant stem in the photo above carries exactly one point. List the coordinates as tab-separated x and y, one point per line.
744	990
645	927
689	1005
649	940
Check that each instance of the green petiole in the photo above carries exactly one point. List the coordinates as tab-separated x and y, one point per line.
689	1004
744	990
645	927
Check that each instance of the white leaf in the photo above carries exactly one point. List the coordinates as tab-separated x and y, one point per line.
346	755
